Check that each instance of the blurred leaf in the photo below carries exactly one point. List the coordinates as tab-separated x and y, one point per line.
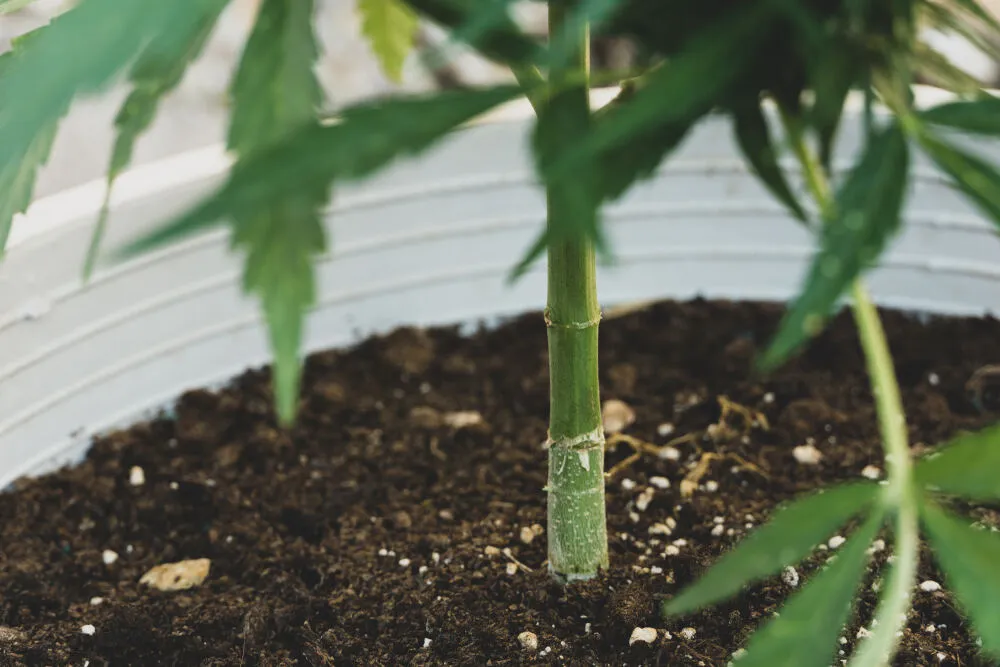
967	466
17	177
754	139
939	71
979	116
624	164
805	634
159	70
867	214
789	536
583	15
80	51
978	179
969	559
573	205
686	87
274	93
365	138
833	77
949	17
495	36
390	26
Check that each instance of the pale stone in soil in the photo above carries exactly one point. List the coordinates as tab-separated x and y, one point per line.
177	576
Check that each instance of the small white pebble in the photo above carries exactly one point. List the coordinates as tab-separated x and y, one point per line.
96	600
109	557
688	633
680	542
871	472
711	486
930	586
616	416
644	635
586	628
769	397
422	569
671	550
174	486
528	640
930	629
136	476
790	576
383	552
669	454
88	629
660	482
933	379
843	640
656	569
660	529
404	562
718	520
739	653
633	517
665	429
511	569
941	656
628	484
877	545
491	550
718	530
427	642
436	557
863	633
644	499
807	455
835	541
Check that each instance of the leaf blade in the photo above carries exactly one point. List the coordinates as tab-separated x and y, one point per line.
805	634
786	538
968	558
867	216
978	116
977	179
964	467
391	27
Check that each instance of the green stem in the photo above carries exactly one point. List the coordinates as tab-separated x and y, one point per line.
895	600
577	529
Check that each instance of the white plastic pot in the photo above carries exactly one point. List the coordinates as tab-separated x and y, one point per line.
428	241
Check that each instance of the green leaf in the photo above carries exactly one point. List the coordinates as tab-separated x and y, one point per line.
979	116
366	138
866	216
805	634
969	559
495	36
754	140
787	538
686	87
976	178
274	93
158	71
17	177
391	27
939	71
832	80
967	466
80	51
572	206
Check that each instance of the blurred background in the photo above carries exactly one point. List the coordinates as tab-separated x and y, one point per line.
194	115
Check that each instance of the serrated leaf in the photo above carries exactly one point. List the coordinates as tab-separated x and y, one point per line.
274	93
366	138
391	27
976	178
17	177
754	139
686	87
967	466
979	116
969	559
805	634
80	51
788	537
866	216
572	206
498	38
159	70
623	165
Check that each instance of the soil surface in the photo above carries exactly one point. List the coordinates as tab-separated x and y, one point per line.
386	529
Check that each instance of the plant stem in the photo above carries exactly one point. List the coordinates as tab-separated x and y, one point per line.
577	529
900	496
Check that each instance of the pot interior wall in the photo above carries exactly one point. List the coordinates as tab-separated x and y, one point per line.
429	241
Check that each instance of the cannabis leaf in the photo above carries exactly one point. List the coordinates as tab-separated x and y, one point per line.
390	26
158	71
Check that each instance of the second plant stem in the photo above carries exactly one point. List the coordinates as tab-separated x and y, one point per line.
577	528
878	649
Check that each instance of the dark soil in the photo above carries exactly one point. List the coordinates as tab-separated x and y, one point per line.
373	534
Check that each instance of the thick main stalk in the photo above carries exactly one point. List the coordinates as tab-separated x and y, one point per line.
577	529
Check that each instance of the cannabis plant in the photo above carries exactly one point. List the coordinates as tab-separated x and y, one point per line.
781	70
